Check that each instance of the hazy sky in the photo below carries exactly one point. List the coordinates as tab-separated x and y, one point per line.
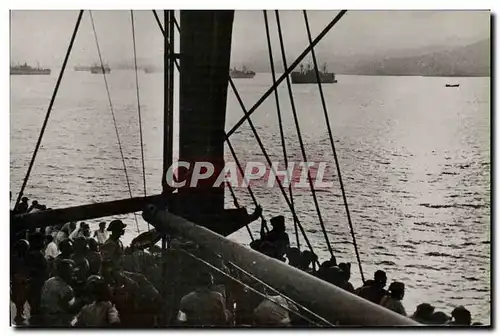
43	36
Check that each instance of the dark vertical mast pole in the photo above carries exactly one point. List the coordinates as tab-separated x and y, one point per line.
205	51
167	137
167	101
171	30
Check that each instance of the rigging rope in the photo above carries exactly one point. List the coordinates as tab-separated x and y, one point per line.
287	71
268	159
237	205
262	295
231	148
49	110
332	144
283	295
280	122
113	114
138	106
299	135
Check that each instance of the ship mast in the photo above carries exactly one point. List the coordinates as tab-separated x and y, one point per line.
205	49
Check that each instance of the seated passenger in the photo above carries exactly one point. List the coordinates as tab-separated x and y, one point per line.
373	290
101	312
461	316
203	306
423	313
393	300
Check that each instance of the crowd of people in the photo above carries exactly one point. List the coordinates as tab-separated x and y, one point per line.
70	275
276	244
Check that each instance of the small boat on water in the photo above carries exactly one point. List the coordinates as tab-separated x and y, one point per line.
151	69
25	69
452	85
308	75
98	69
243	73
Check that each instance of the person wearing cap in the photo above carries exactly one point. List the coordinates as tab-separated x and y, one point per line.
393	300
101	234
423	313
112	250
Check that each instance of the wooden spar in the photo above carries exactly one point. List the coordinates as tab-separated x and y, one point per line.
224	223
205	49
328	301
84	212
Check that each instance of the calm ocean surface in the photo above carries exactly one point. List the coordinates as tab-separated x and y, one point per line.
414	156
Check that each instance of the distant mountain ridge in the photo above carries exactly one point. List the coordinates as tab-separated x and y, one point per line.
470	60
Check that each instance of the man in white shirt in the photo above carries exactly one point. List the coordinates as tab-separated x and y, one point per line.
101	235
51	251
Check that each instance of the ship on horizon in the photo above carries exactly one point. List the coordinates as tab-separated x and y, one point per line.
25	69
152	69
308	75
243	73
82	68
99	69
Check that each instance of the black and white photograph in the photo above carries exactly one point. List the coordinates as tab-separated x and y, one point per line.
270	168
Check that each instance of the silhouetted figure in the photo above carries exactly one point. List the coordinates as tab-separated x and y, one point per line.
66	249
37	266
275	243
423	313
147	301
271	314
101	312
329	263
373	290
112	250
22	207
19	279
439	318
346	270
33	207
62	234
203	306
57	298
93	256
393	300
125	293
294	257
461	316
82	267
308	261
